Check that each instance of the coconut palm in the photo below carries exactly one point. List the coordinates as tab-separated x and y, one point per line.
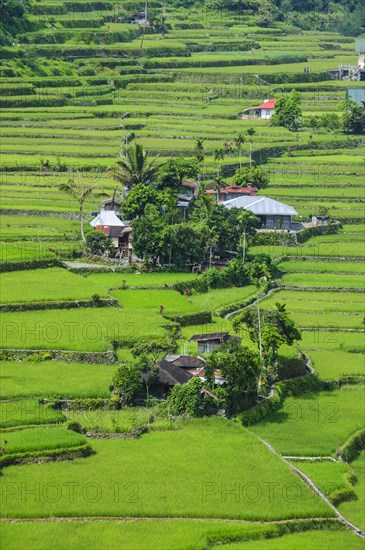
134	166
239	141
80	192
247	221
251	132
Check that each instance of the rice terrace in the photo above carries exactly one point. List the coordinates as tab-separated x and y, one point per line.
182	275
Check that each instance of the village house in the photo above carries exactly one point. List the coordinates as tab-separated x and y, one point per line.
139	18
273	214
194	366
186	195
118	231
207	343
169	375
353	73
265	110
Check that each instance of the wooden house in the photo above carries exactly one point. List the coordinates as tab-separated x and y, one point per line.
118	231
169	375
207	343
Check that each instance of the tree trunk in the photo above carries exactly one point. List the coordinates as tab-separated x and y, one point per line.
147	392
170	254
82	222
244	247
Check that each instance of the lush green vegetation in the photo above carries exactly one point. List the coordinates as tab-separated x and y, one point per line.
119	280
40	439
335	477
21	413
54	379
53	284
174	495
125	420
182	534
77	83
332	364
323	539
321	422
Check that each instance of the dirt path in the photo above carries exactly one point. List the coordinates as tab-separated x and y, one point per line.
256	301
61	519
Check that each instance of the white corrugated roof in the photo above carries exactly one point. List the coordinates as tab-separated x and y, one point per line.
261	206
107	217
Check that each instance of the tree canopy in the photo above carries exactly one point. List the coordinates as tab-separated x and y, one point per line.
288	112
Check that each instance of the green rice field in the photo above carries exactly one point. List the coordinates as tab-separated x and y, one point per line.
79	81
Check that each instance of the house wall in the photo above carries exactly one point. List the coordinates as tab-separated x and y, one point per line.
276	222
208	347
267	113
362	60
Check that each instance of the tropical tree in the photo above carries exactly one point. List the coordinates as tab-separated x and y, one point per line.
254	175
199	152
259	270
240	367
175	171
140	196
76	189
98	243
134	166
212	237
288	112
239	141
247	222
353	120
251	132
185	244
149	370
268	329
127	382
219	155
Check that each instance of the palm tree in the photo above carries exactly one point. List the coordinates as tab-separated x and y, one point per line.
239	140
80	192
199	153
134	166
212	239
251	132
246	220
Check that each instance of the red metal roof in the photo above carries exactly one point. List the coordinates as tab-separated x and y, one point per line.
234	189
269	104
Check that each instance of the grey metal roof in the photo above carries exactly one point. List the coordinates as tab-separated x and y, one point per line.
107	217
261	206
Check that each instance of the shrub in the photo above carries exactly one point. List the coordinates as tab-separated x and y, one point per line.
259	411
291	368
127	382
297	386
351	448
75	427
186	399
342	495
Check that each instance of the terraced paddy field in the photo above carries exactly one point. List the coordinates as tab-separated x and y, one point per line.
54	379
322	422
73	91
